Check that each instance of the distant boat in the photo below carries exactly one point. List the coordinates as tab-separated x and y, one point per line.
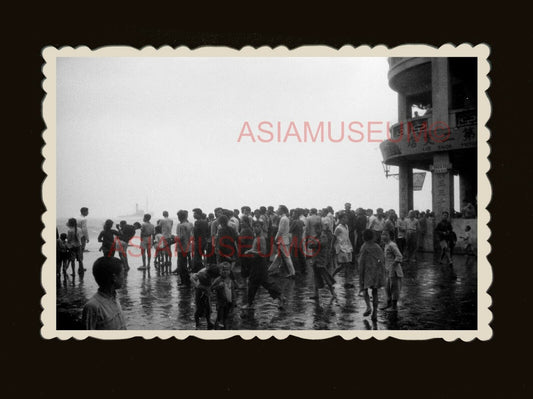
138	213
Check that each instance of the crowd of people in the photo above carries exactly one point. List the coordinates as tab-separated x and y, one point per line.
262	246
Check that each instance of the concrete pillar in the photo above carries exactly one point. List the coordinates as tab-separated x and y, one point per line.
440	90
402	108
442	184
406	189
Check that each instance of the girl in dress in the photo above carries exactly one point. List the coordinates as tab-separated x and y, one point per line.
371	272
224	288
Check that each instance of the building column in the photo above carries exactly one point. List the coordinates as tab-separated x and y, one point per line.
406	189
442	184
402	108
440	90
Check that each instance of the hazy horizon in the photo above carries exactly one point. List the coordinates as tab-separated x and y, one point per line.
165	131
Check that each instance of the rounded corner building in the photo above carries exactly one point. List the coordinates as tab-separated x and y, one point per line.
437	128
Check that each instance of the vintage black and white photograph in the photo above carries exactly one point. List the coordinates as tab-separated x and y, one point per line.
266	192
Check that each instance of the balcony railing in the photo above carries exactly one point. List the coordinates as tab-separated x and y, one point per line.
426	134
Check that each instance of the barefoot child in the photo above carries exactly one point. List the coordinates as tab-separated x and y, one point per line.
202	284
371	272
223	287
63	254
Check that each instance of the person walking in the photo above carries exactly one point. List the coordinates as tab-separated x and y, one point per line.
258	272
393	266
282	241
371	272
343	250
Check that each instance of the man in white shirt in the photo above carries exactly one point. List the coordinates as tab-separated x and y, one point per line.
234	221
82	226
283	241
83	233
369	217
377	225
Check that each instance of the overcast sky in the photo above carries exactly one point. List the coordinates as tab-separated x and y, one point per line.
165	131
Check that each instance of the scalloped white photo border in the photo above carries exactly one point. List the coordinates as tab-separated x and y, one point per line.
48	277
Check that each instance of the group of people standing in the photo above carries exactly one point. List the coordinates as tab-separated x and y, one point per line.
70	246
263	244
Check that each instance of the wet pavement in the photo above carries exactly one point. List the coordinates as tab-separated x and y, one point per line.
430	300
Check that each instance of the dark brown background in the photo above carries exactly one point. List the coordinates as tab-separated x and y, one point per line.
430	369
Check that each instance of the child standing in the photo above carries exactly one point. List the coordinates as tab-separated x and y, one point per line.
371	272
223	287
63	255
107	238
467	241
393	266
74	246
202	284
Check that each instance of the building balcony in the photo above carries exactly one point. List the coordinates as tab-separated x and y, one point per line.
416	139
409	75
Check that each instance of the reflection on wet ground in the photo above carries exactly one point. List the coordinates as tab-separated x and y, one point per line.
431	299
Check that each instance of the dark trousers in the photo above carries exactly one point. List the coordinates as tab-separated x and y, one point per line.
351	234
199	252
184	259
298	258
254	282
393	287
359	242
401	244
412	242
